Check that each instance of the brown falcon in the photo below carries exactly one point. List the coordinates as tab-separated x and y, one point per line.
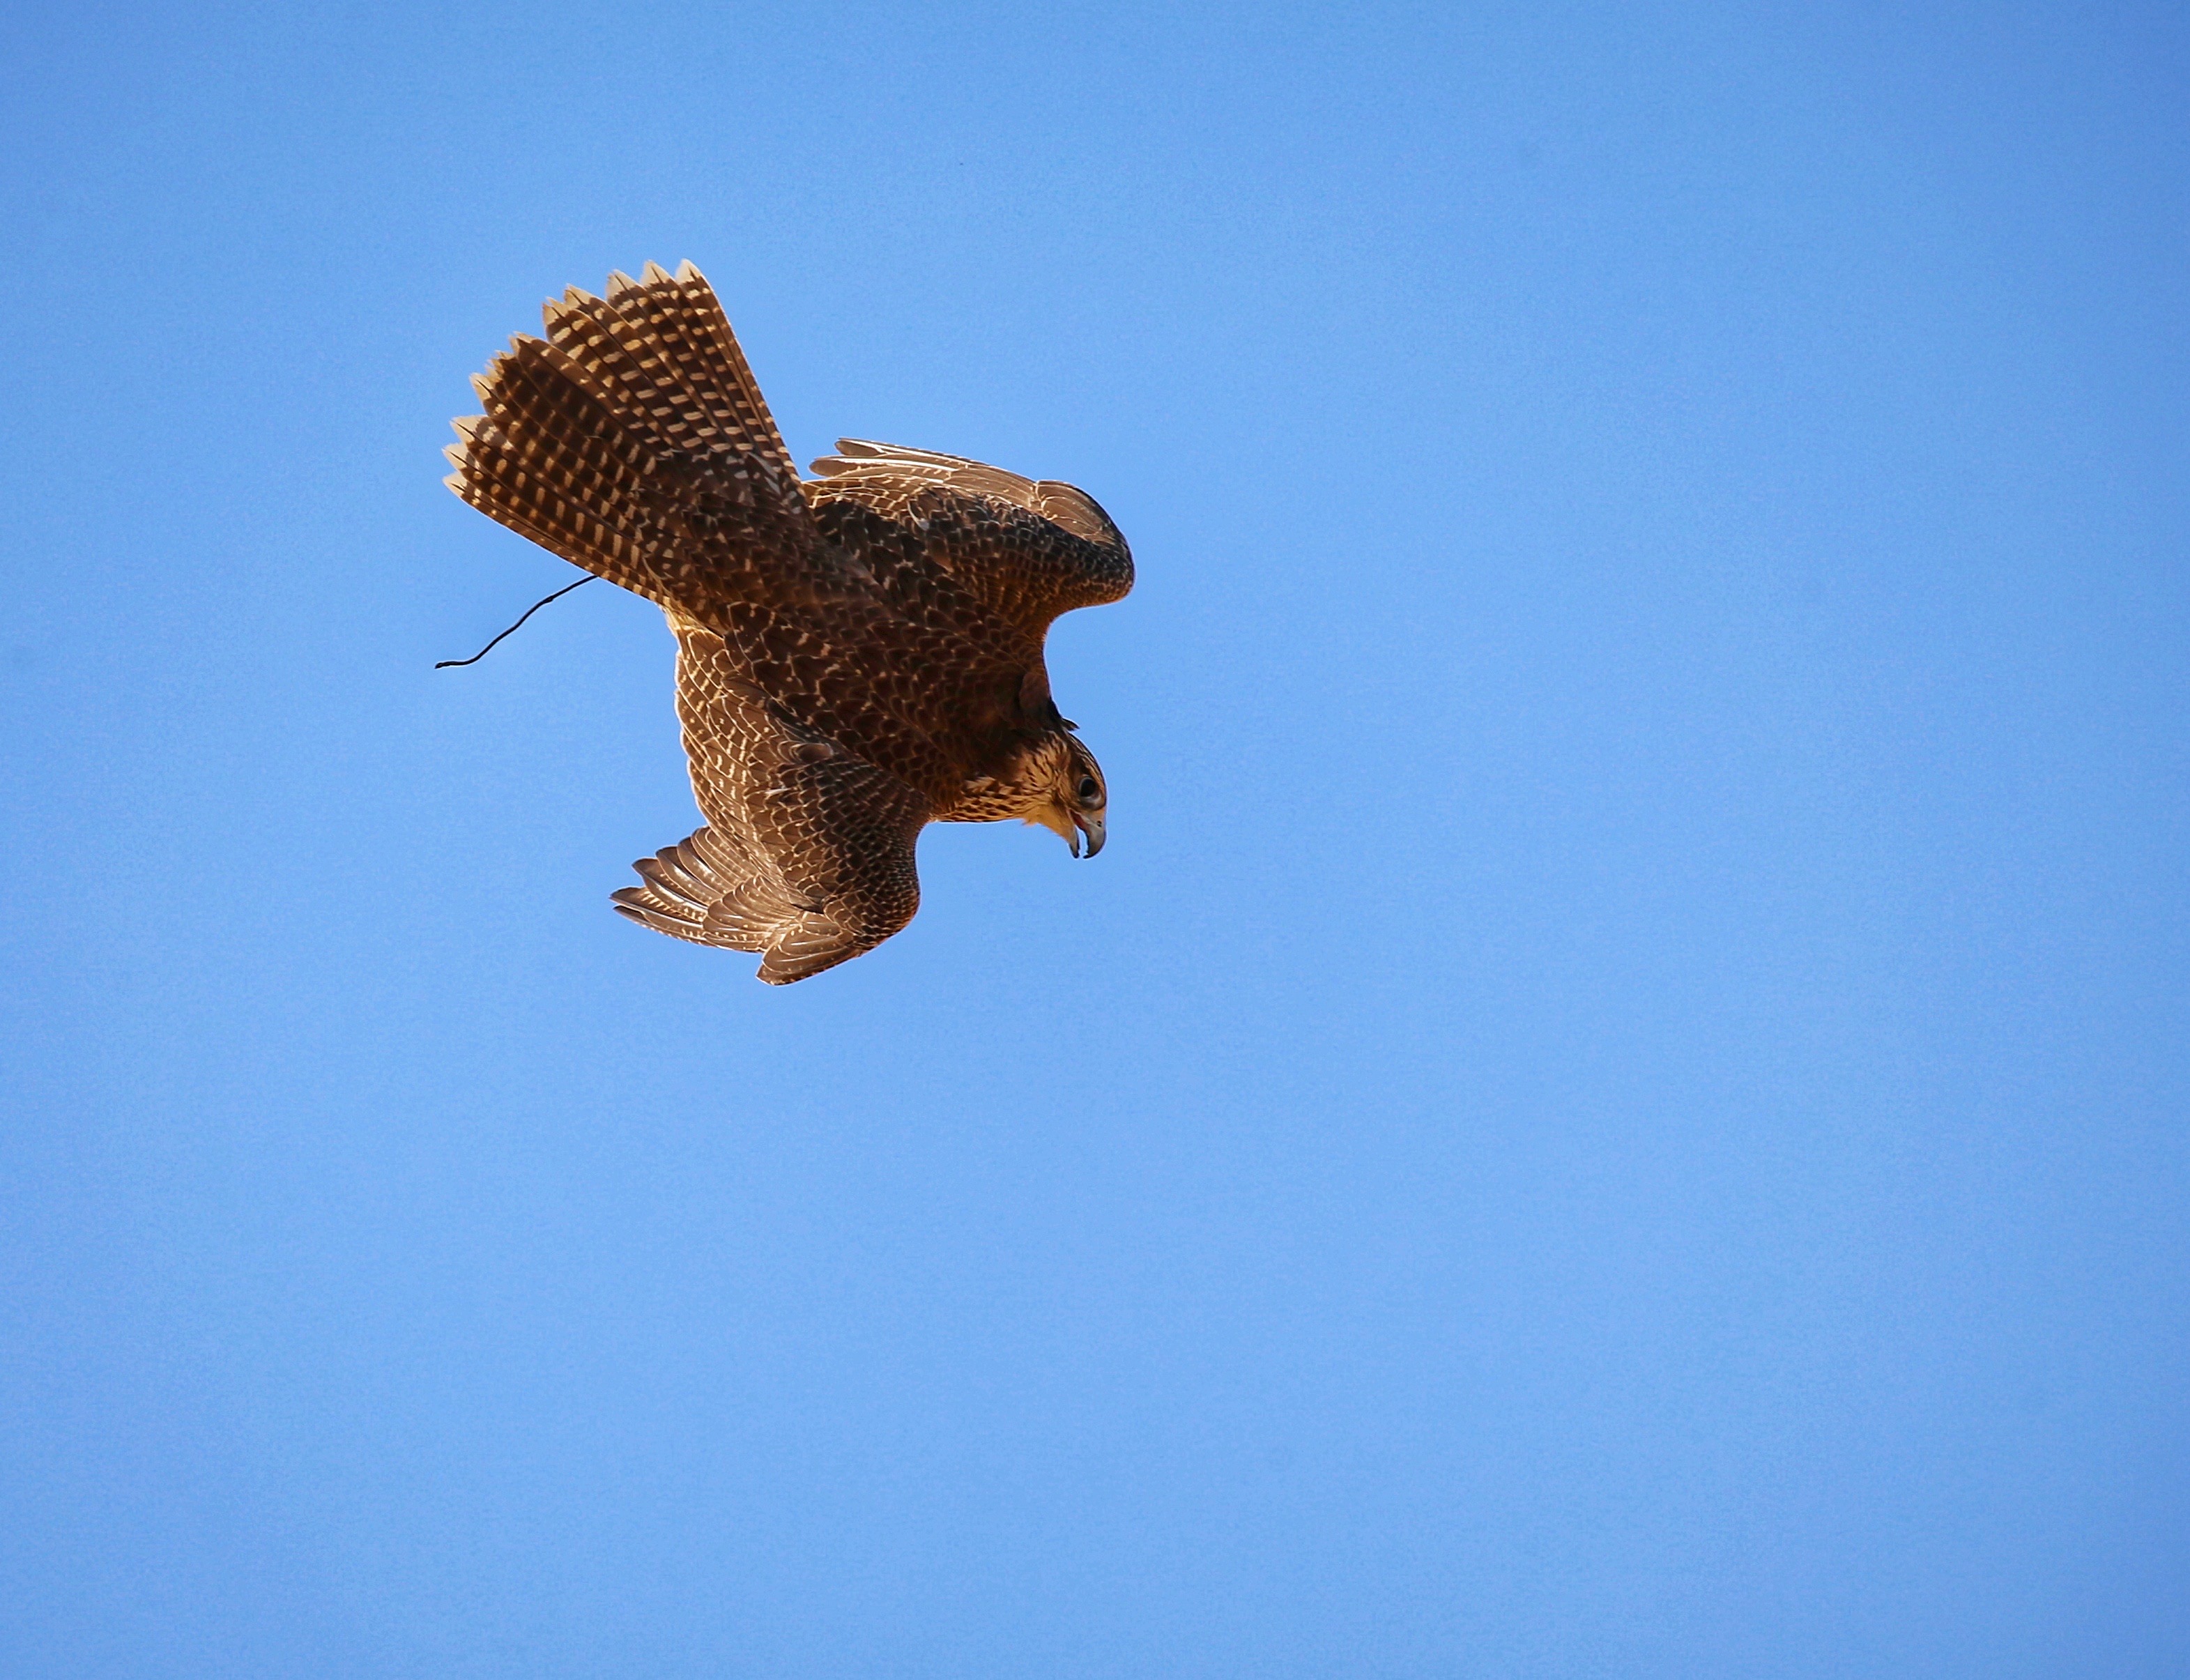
858	653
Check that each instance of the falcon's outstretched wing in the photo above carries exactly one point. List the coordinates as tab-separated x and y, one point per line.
1028	549
807	854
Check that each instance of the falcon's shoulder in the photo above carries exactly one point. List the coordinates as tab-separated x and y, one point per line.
1031	548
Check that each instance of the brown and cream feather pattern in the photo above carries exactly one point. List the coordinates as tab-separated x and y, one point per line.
858	654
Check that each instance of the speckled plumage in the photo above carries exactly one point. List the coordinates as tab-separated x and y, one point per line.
858	654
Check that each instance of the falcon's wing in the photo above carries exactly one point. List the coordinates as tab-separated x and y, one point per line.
633	442
1030	548
807	854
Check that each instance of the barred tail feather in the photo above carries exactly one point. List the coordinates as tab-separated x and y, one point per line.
663	350
550	463
636	420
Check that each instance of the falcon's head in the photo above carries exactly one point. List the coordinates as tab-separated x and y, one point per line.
1070	792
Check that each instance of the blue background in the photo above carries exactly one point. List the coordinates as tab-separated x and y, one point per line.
1616	1106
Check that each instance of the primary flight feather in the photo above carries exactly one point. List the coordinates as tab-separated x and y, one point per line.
858	654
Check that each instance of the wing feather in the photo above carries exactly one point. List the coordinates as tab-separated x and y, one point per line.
1028	549
807	854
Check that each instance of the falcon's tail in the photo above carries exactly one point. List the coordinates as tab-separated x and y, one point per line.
636	418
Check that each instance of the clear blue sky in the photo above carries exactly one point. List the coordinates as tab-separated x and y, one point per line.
1615	1106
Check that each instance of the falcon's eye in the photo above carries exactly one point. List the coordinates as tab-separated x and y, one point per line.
1088	791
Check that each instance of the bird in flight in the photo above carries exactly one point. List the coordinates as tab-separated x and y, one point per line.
858	654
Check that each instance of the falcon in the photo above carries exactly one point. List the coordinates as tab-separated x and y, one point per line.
858	654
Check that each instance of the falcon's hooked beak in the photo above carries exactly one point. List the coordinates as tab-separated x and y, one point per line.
1089	823
1070	825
